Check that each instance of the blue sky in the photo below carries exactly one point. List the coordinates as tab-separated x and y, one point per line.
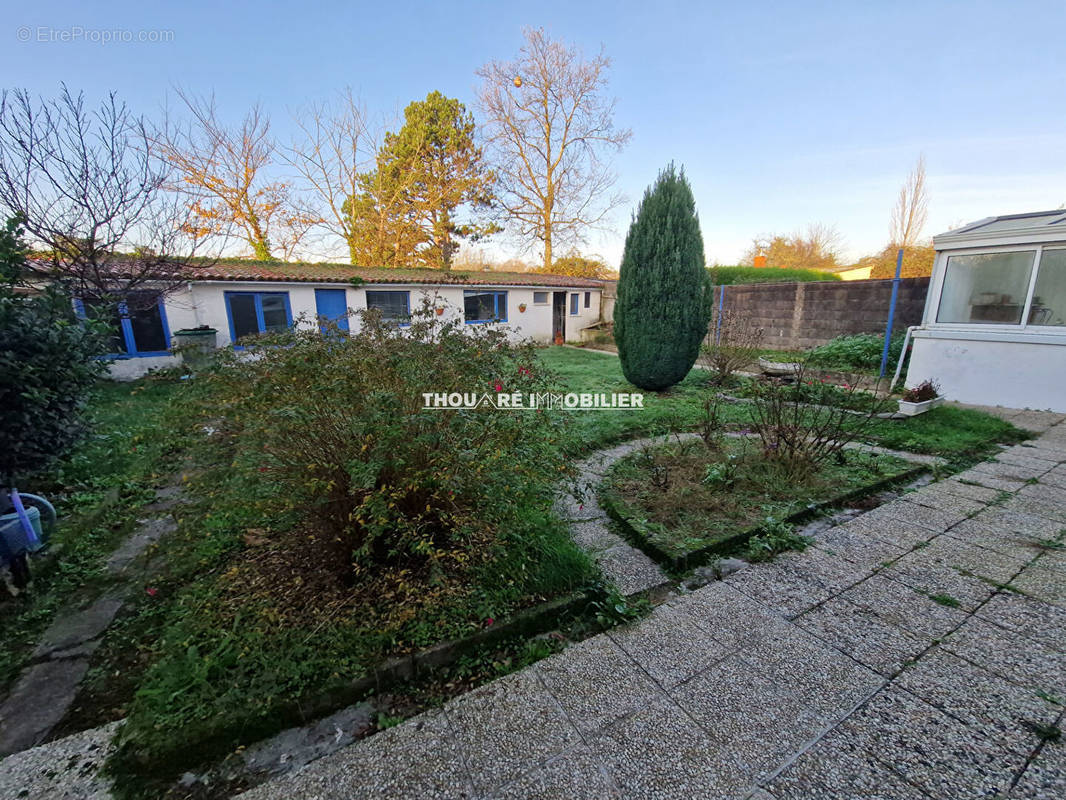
782	113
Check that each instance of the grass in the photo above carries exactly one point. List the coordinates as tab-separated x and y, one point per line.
962	436
684	498
97	490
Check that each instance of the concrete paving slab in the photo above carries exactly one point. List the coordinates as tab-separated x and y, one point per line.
903	535
1044	776
853	545
419	758
827	772
900	605
1029	617
596	682
1043	583
66	769
1003	652
508	726
575	774
863	635
38	700
981	699
660	753
669	646
754	721
924	746
629	569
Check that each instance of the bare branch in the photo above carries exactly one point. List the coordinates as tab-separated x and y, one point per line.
550	127
90	189
911	209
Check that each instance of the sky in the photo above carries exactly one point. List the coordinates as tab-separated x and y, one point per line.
782	114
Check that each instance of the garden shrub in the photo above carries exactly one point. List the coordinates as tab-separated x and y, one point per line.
733	343
336	426
805	423
664	292
860	351
47	366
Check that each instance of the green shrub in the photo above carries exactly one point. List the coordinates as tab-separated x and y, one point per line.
861	351
729	276
336	426
664	295
47	367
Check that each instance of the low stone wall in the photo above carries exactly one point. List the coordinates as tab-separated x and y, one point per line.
795	316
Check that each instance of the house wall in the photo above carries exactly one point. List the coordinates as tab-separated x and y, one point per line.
203	303
971	368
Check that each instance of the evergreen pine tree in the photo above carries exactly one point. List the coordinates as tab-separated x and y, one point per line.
664	291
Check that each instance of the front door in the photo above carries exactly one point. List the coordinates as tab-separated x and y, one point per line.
559	316
331	305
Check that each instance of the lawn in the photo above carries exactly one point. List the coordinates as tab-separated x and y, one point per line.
962	436
683	498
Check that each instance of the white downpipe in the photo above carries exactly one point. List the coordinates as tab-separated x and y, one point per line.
902	355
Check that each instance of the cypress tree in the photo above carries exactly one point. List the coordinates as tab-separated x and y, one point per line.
664	291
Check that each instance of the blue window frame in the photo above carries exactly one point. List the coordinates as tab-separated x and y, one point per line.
252	313
484	306
139	324
575	300
394	306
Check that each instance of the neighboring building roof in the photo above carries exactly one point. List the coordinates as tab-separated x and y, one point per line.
241	270
1036	226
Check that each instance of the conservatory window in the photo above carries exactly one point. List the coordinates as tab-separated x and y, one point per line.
1049	296
986	288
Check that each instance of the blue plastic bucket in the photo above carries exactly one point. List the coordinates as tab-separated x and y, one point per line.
14	535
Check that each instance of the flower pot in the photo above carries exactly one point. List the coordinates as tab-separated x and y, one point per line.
910	409
522	307
439	311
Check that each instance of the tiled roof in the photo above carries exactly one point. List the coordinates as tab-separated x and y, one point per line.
240	270
342	273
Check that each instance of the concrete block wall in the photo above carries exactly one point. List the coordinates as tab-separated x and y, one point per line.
796	316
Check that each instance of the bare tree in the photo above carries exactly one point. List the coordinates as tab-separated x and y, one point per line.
911	209
223	171
549	127
90	192
336	148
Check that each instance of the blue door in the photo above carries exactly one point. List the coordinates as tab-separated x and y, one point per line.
332	305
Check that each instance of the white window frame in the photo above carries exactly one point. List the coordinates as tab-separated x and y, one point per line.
936	291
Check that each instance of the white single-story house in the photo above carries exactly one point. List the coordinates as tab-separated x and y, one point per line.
994	328
239	298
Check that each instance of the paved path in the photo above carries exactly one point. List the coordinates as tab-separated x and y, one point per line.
888	661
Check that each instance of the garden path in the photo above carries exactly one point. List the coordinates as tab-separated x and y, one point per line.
916	651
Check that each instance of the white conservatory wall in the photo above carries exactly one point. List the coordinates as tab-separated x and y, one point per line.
1013	374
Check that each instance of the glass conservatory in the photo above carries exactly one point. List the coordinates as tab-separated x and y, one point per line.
994	328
